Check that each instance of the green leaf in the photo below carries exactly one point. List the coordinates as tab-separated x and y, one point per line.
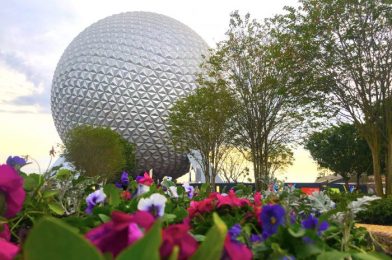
146	248
297	233
104	218
52	239
49	193
32	181
113	194
174	254
198	237
212	246
63	174
370	256
56	208
335	255
169	218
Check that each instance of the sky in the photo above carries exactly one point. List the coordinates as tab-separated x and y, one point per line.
34	34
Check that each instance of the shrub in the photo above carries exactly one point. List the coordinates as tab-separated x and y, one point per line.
378	212
97	151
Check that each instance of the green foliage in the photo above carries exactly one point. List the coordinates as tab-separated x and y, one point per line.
52	239
146	248
212	246
98	151
130	156
200	122
378	212
341	150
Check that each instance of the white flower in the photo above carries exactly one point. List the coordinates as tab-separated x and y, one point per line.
172	192
155	204
141	189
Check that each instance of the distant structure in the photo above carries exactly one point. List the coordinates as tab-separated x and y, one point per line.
125	72
196	174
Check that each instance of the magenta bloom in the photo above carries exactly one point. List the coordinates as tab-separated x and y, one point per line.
231	200
8	250
234	250
123	230
145	180
11	187
5	232
177	235
272	216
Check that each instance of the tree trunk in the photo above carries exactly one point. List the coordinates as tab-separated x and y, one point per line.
375	149
207	175
388	178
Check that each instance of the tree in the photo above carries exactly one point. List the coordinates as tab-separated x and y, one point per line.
233	166
343	49
97	151
268	114
342	150
200	122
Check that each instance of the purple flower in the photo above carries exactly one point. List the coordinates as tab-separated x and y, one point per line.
311	222
272	216
124	181
93	199
15	161
234	232
256	238
189	190
12	194
155	204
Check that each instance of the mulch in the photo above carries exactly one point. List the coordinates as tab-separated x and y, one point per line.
383	235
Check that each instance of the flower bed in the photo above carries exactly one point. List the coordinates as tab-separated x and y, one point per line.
61	214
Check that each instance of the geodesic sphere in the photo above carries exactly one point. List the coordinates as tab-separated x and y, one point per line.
125	72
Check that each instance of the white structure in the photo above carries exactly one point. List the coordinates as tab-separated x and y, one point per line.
125	72
196	173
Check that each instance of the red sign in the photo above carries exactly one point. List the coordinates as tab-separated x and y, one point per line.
309	190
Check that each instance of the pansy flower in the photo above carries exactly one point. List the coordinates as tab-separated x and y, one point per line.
155	204
177	235
93	199
15	162
272	216
123	230
311	222
145	179
124	181
190	190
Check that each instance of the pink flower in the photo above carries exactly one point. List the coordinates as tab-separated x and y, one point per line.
11	186
125	195
235	250
5	232
177	235
257	204
145	180
123	230
8	250
231	200
200	207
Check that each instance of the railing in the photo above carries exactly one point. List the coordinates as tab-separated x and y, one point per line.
223	187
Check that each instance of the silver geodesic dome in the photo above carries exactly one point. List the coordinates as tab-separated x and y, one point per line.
125	72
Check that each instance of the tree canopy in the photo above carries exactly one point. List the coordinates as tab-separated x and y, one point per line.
342	50
97	151
342	150
200	122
